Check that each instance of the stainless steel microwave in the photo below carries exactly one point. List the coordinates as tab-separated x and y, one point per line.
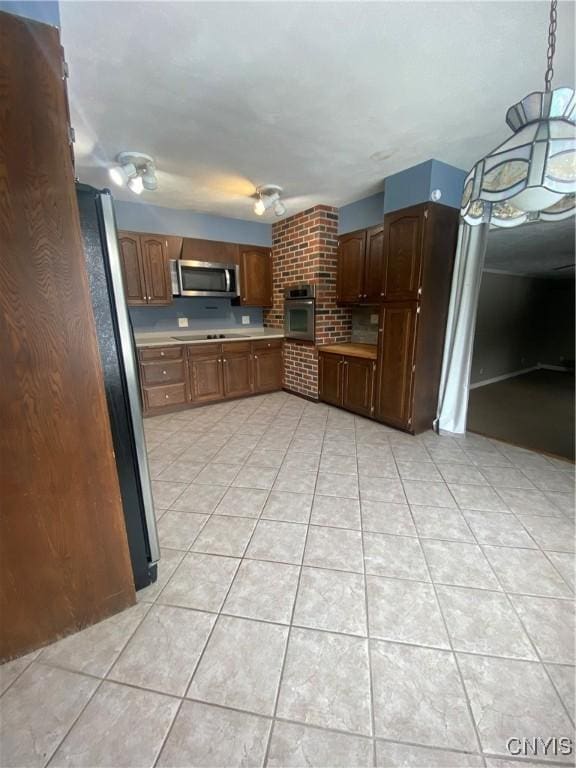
204	278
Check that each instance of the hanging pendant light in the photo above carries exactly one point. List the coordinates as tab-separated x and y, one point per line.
533	174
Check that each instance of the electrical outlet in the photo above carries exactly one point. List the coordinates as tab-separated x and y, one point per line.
374	319
245	319
182	322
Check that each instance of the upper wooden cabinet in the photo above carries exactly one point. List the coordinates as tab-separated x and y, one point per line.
255	276
196	249
403	242
350	275
360	266
145	268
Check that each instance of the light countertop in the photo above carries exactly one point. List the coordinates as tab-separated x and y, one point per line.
352	350
189	336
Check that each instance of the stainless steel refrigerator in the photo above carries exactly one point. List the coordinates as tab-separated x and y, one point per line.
118	355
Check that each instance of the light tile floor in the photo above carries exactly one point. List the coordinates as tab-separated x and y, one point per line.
331	593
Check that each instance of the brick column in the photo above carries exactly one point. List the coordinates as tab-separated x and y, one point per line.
304	249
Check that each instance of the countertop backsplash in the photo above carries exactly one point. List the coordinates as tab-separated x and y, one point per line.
202	313
365	325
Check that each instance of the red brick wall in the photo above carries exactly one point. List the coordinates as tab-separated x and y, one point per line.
304	249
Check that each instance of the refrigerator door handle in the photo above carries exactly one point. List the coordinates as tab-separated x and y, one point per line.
131	371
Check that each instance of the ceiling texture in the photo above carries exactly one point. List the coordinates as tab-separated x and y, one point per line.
540	248
325	99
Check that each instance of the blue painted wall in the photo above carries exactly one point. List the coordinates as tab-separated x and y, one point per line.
450	181
141	217
361	214
408	187
401	190
46	11
203	315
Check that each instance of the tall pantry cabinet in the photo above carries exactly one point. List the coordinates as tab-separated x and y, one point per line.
419	248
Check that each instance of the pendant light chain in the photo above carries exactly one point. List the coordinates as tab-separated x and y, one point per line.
551	46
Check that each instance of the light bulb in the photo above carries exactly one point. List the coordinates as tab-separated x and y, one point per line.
117	176
136	185
279	208
259	207
149	179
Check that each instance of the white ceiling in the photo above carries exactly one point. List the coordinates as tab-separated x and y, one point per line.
540	248
325	99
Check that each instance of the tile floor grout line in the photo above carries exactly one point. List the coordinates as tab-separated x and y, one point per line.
452	650
368	642
289	633
525	630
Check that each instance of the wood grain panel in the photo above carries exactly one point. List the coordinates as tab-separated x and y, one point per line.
63	549
330	378
132	268
206	378
267	369
403	253
358	385
158	284
255	276
236	370
350	275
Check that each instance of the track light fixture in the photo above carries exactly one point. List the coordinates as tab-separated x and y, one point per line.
136	171
268	196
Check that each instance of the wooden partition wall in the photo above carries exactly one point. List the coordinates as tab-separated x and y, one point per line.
64	561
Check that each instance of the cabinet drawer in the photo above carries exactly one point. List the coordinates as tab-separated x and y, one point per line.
158	397
204	350
166	372
160	353
271	344
237	347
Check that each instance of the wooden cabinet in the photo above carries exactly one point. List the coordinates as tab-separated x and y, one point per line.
396	346
350	274
360	266
132	268
403	249
330	378
347	381
255	276
267	366
205	372
358	385
196	249
145	269
374	265
184	375
419	246
163	377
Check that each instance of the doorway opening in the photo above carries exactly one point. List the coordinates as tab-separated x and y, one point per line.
522	376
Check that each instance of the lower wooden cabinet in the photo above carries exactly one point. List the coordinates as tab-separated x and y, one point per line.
347	382
358	385
188	375
396	368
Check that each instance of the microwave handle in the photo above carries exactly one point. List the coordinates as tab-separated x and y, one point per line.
227	273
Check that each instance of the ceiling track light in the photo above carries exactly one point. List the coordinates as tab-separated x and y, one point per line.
136	171
268	196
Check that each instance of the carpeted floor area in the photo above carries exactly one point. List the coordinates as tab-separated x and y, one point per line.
535	411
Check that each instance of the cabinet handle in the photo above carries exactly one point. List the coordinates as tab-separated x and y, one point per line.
255	357
382	294
223	359
359	295
167	397
420	291
164	372
162	354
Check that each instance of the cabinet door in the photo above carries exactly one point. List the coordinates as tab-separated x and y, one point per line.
374	264
236	374
132	268
255	276
206	378
158	285
350	274
267	370
173	245
358	383
403	245
394	378
330	378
